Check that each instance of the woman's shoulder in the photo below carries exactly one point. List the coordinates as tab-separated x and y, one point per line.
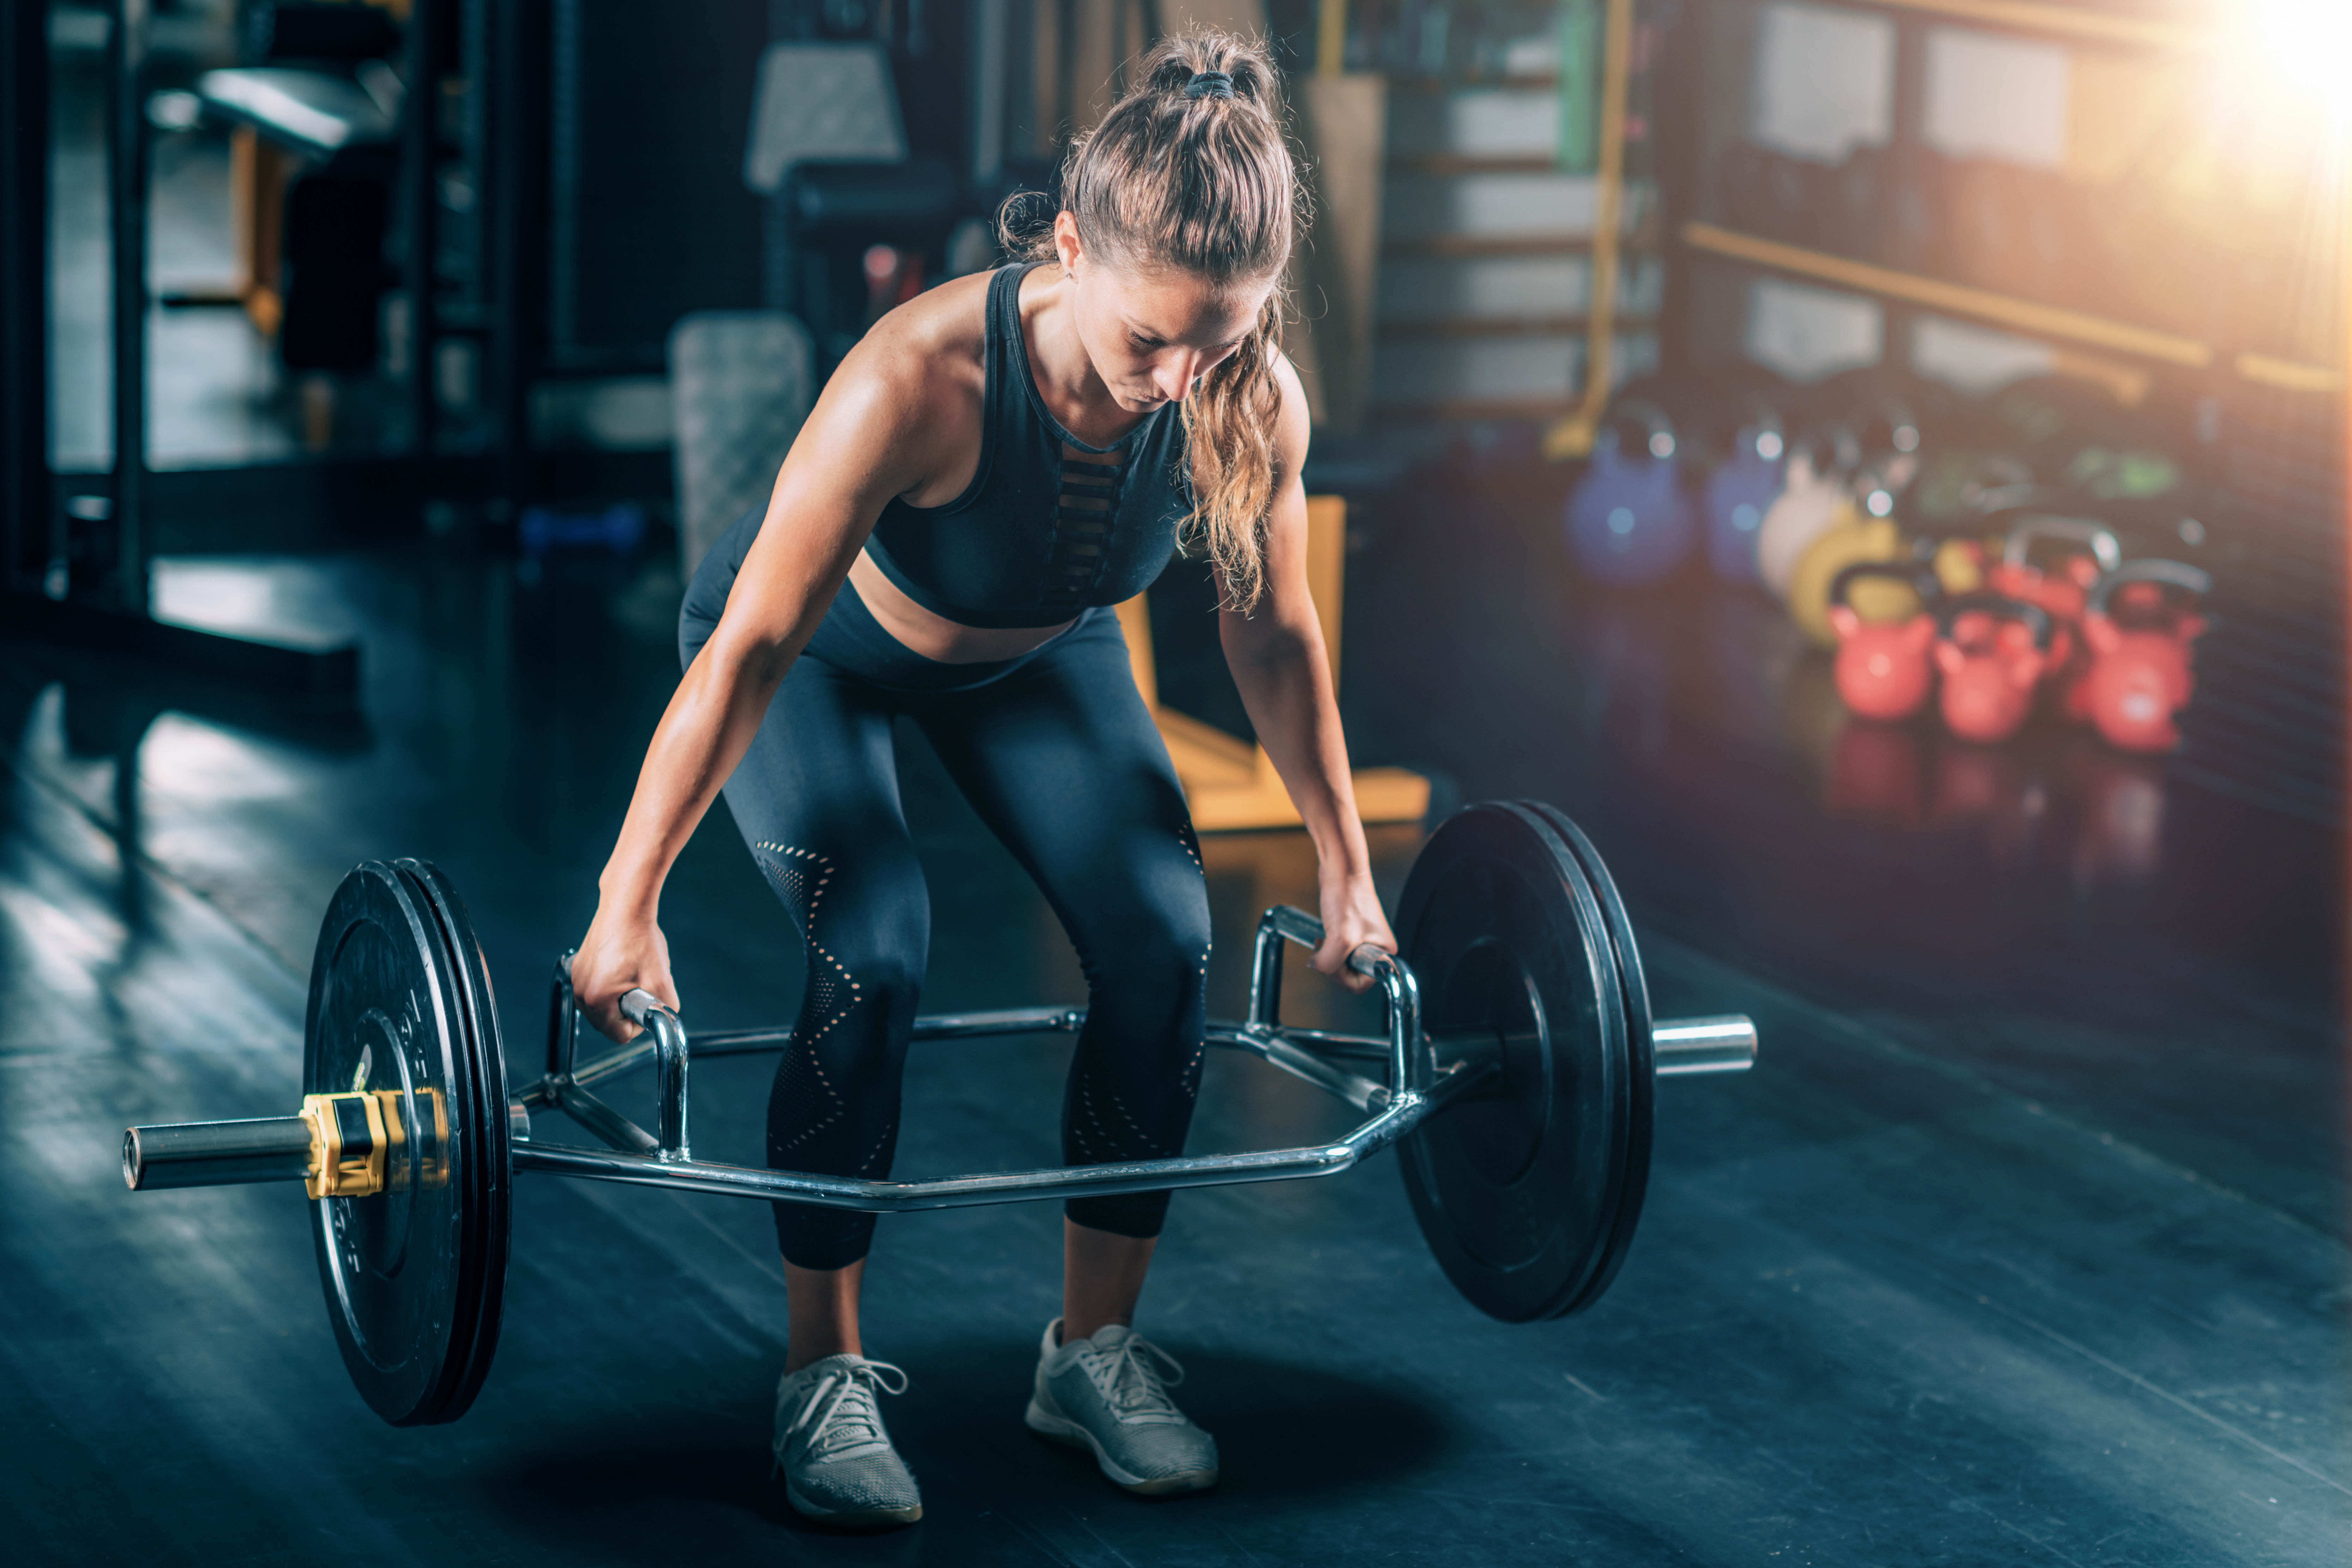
924	359
939	326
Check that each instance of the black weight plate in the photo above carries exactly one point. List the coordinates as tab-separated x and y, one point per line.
407	1272
1520	1192
1640	1046
488	1062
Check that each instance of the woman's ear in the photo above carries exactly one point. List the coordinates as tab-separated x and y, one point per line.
1065	240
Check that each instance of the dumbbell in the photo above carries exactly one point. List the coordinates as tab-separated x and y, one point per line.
1513	1074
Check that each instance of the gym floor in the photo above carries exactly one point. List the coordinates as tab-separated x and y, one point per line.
2025	1242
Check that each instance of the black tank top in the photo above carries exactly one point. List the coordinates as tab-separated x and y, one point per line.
1049	525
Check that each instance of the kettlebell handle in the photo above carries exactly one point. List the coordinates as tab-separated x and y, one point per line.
2194	581
2097	536
1890	416
1829	449
1756	416
1645	421
1990	506
1923	582
2000	604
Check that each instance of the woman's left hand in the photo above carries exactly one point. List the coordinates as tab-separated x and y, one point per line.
1351	918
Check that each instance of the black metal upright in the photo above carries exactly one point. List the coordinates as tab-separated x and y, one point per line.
106	606
420	157
515	198
26	511
1908	153
119	578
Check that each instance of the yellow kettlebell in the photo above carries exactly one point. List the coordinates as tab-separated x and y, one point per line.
1873	598
1960	565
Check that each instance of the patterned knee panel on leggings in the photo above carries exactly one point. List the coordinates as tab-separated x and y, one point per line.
1138	1067
833	1107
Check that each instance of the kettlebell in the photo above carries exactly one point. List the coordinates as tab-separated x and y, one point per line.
1742	490
1628	519
2140	677
1884	665
1888	435
1958	561
1991	651
2063	590
1814	497
1865	539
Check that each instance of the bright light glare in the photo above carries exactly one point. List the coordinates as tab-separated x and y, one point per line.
2304	46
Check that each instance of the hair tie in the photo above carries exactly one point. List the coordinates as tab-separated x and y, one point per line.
1210	84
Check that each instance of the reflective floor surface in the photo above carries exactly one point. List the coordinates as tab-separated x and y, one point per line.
2025	1243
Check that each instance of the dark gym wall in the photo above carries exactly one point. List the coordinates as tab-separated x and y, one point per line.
930	61
648	215
931	64
24	295
649	105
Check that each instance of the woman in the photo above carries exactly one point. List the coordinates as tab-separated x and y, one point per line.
995	465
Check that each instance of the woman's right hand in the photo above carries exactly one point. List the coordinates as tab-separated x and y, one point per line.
618	955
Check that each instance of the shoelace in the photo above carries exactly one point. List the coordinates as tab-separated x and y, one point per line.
848	1418
1131	1384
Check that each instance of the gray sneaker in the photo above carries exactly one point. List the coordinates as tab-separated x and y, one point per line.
832	1450
1106	1394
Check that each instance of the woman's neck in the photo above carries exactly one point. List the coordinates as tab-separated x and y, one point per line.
1058	363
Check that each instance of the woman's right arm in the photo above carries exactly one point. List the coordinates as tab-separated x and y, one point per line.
875	433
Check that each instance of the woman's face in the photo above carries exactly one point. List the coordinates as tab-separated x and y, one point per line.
1151	334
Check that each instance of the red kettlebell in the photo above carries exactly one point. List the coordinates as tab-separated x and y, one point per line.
2063	590
1992	651
2140	677
1884	668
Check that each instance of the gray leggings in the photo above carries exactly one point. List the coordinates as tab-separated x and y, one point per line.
1058	754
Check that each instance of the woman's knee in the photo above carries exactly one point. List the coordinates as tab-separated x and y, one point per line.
1163	941
867	921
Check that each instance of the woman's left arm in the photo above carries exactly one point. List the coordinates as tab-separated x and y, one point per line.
1278	656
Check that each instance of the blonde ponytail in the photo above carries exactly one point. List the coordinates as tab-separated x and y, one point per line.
1190	171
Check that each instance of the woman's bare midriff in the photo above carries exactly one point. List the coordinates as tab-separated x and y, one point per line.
933	635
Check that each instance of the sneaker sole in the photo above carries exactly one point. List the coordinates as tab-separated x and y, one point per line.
847	1519
1062	1429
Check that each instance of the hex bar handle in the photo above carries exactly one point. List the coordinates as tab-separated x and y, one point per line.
563	1020
1411	1065
644	1010
1305	929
